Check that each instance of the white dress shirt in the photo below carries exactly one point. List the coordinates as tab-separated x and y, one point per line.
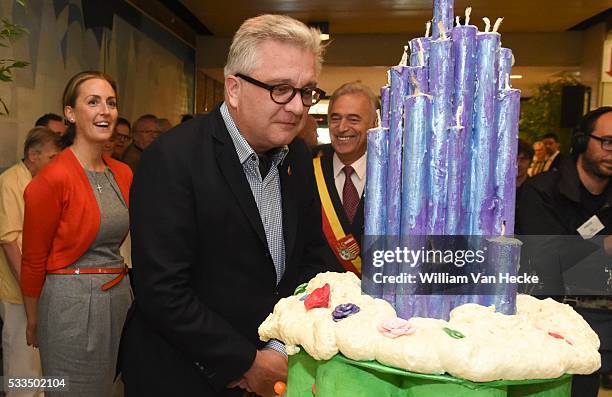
358	177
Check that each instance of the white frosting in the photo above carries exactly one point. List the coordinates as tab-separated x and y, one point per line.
495	346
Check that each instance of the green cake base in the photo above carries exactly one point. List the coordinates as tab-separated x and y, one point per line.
342	377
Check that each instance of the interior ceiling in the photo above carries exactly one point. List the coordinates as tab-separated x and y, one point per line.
222	18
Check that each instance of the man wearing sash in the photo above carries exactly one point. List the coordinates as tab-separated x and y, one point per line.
341	171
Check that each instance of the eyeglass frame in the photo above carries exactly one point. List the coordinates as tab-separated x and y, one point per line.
271	88
602	140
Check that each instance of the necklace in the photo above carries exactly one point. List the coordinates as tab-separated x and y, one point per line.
95	178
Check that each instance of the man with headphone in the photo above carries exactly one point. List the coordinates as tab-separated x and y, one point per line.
575	200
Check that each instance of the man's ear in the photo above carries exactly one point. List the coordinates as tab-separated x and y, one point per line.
232	90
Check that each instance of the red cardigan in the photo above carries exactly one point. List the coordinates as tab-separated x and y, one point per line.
61	217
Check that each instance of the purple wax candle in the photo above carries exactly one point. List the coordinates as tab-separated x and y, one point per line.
375	199
443	12
464	48
384	106
376	182
441	74
507	113
481	201
417	128
415	192
419	52
399	89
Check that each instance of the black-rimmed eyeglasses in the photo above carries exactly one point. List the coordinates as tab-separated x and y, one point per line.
284	93
606	143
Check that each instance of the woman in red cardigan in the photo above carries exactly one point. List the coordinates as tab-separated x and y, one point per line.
73	279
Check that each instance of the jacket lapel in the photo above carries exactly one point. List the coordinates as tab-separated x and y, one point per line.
288	189
232	171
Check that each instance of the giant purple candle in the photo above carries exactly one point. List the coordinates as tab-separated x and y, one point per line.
442	13
482	195
417	129
384	106
419	51
415	192
376	182
399	89
507	113
375	198
441	73
464	49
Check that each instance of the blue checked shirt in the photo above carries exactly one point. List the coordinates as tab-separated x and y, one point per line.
267	194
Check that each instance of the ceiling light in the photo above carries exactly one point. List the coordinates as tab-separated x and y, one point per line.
516	76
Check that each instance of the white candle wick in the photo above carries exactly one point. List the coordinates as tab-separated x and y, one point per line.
468	13
427	28
508	86
442	30
497	24
378	116
487	22
389	78
458	20
421	53
503	228
404	60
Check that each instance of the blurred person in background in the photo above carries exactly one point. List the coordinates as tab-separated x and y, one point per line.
144	132
52	121
553	155
163	125
539	159
123	131
19	360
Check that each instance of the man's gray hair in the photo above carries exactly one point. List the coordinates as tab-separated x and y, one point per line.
355	88
243	57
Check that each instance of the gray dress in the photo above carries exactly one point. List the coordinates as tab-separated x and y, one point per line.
80	325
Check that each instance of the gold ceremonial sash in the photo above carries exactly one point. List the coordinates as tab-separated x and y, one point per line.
344	246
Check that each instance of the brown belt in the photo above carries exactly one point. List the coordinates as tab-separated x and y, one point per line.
120	271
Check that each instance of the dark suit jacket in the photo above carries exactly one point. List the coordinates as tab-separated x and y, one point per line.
357	227
203	273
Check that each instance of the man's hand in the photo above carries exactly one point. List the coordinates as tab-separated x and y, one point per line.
268	368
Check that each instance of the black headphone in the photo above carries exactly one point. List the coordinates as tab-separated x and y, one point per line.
582	132
579	141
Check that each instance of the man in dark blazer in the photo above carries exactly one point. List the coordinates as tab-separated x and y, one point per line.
341	183
225	222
